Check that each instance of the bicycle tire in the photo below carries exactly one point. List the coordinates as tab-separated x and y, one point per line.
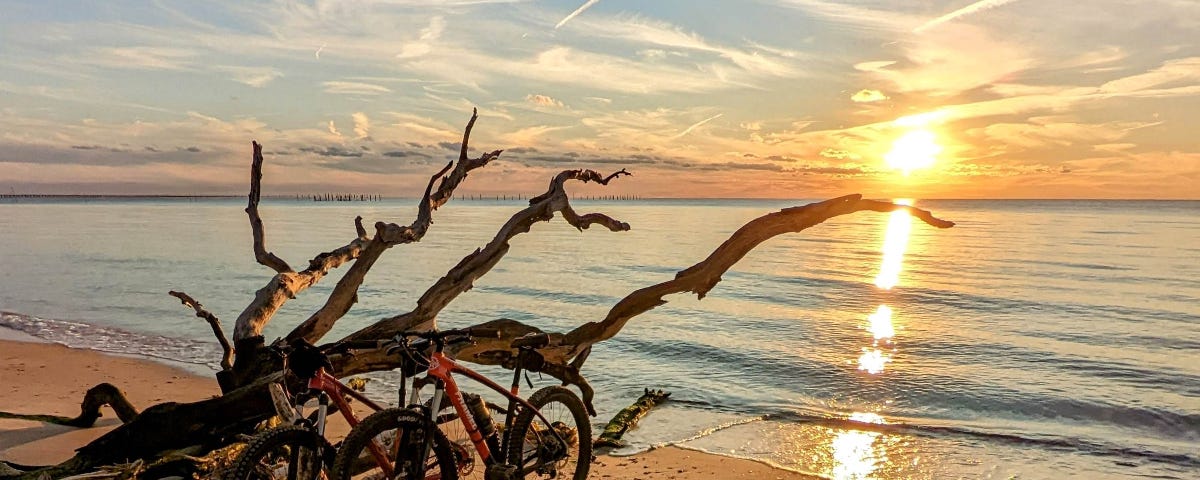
250	464
544	400
405	422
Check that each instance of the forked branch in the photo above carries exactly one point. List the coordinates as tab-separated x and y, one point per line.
387	235
462	277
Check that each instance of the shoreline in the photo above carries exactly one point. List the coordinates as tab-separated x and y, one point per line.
29	361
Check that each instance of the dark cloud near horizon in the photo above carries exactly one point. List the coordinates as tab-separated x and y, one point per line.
404	154
395	161
97	155
835	171
332	151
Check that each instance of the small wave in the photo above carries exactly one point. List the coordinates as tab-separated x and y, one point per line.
113	340
1085	266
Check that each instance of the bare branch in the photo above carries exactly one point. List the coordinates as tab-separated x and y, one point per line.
462	154
566	352
345	293
226	347
461	278
703	276
358	228
261	254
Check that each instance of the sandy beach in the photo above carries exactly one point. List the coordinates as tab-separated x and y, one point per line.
46	378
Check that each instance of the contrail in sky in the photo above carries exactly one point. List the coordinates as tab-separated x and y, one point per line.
586	5
962	12
697	124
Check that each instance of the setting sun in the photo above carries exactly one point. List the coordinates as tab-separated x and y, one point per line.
914	150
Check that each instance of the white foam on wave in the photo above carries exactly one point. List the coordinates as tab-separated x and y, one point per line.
197	357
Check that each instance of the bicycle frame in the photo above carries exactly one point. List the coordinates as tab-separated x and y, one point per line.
327	387
441	367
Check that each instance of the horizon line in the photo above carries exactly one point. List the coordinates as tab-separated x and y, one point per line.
615	197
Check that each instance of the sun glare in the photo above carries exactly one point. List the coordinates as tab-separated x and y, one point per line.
914	150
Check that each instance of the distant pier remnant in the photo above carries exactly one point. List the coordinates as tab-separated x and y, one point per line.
343	197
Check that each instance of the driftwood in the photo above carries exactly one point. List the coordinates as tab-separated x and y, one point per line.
96	397
628	418
212	424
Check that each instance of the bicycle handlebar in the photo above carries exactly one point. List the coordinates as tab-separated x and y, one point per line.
444	337
468	333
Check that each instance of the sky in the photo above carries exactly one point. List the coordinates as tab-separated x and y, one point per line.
698	98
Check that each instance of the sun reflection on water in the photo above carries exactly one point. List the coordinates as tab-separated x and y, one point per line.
881	323
894	244
872	360
855	453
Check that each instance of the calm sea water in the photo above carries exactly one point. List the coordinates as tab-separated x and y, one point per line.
1037	339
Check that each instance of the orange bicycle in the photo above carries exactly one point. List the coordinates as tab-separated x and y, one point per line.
546	436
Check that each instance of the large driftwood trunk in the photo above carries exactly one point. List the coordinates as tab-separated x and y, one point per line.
248	367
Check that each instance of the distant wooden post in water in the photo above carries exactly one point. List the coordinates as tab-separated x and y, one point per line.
345	197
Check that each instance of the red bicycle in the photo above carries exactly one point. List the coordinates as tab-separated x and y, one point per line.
298	450
545	436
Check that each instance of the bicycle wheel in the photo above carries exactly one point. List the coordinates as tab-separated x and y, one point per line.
288	452
537	451
400	435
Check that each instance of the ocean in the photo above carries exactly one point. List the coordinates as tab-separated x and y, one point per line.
1035	339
